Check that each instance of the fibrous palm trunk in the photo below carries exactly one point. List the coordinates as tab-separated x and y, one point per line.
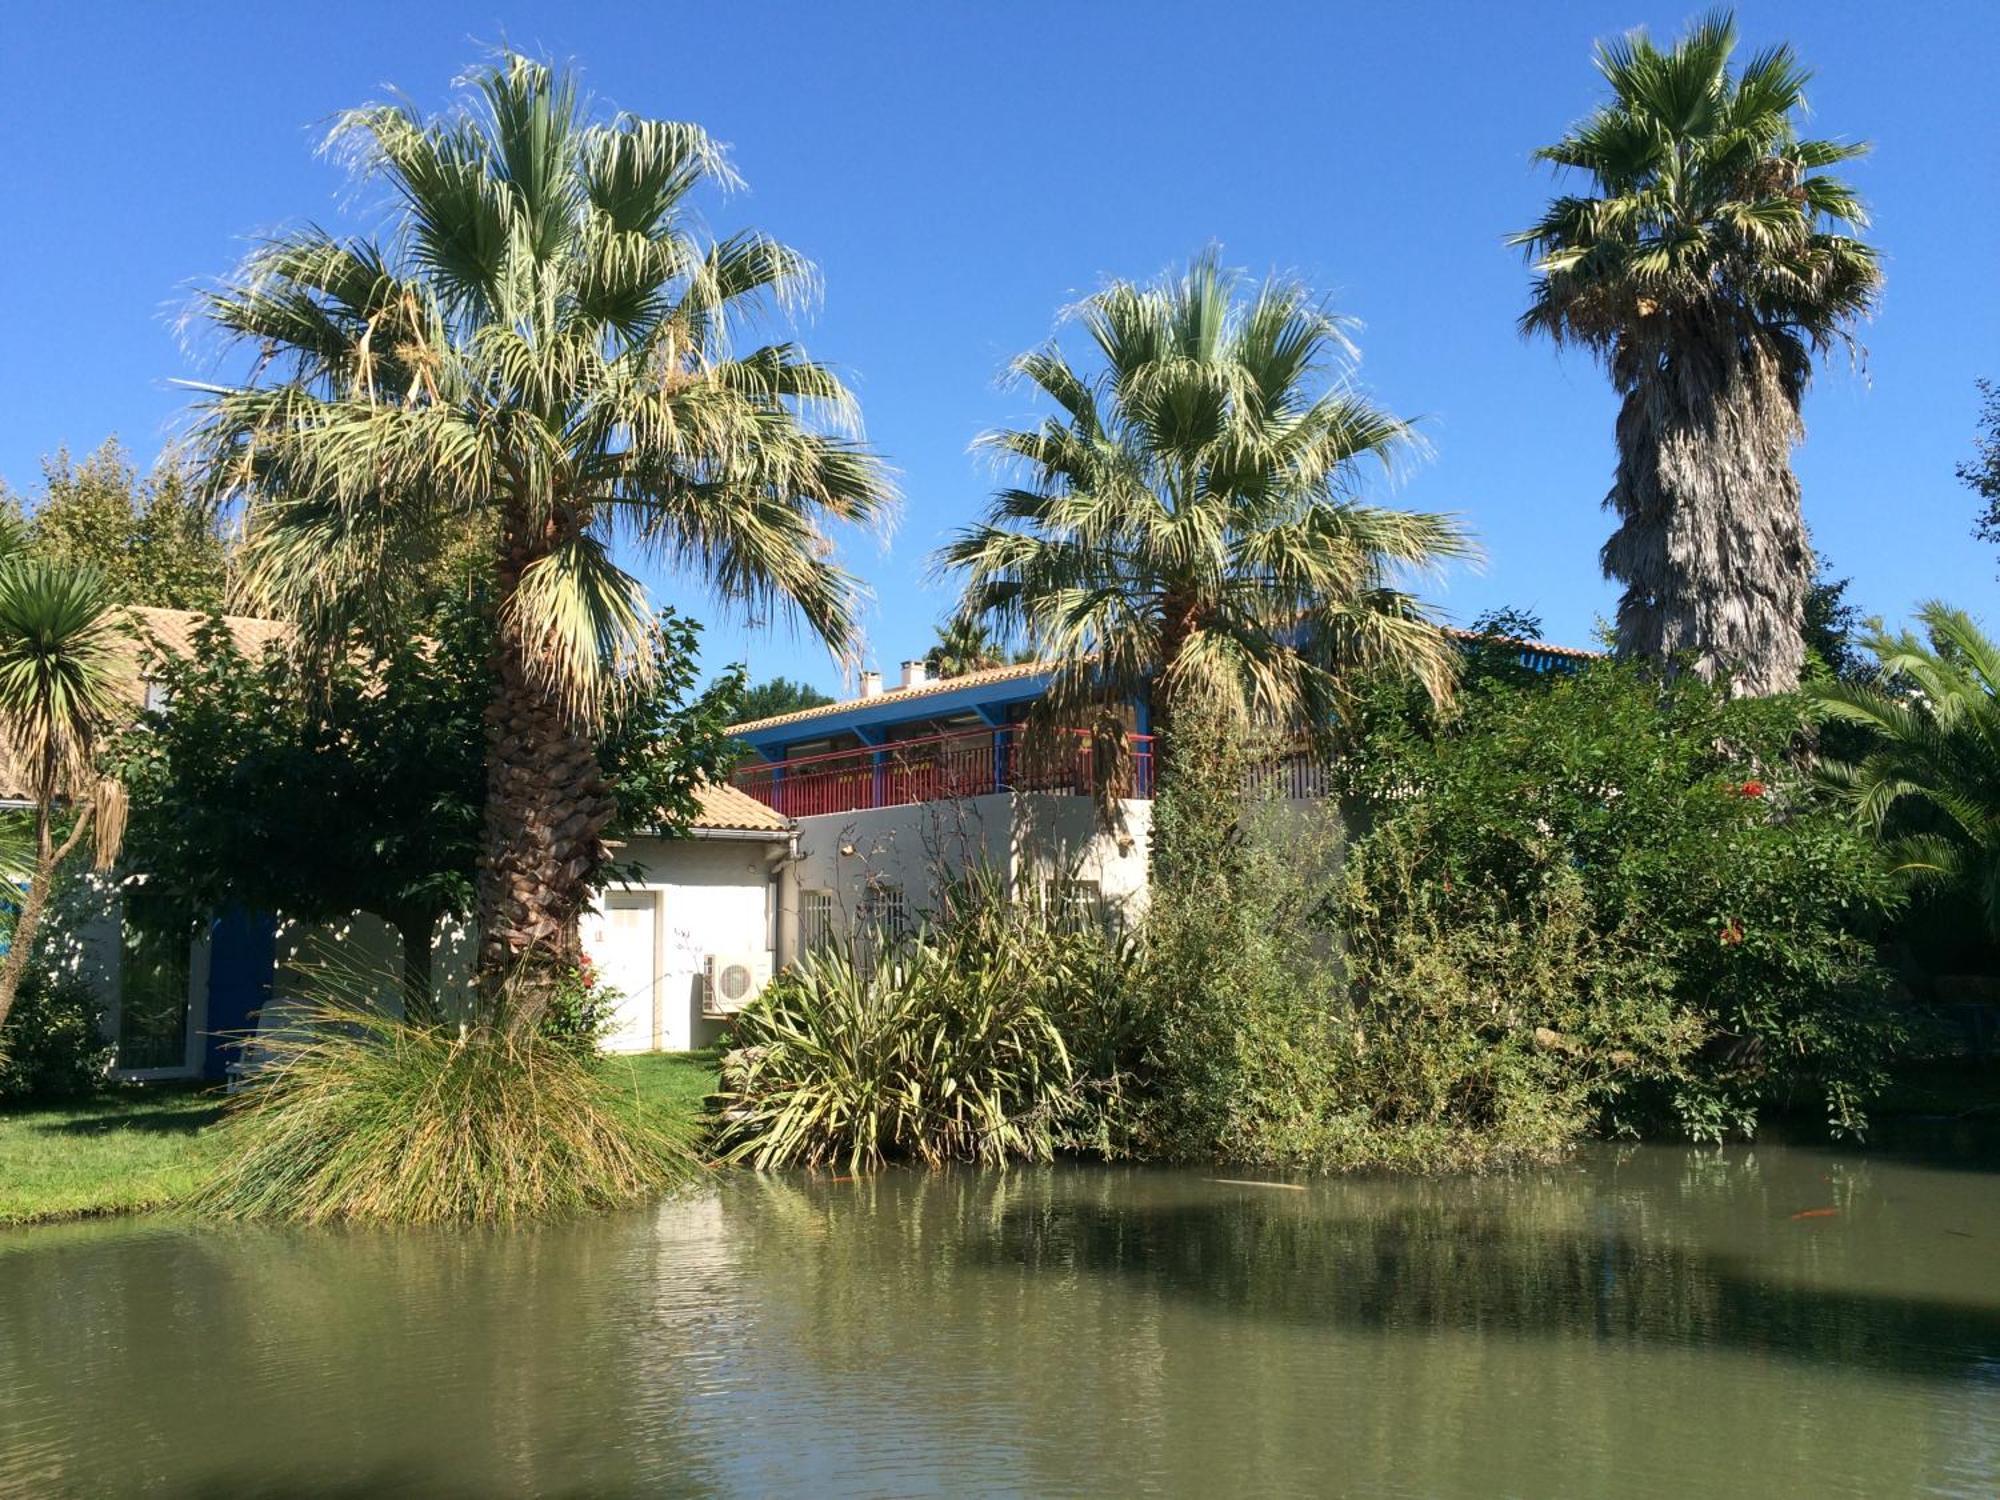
49	857
547	805
1711	545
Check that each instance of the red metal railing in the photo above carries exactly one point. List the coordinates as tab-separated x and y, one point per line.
940	767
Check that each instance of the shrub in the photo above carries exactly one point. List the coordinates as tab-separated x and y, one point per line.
581	1010
51	1047
1730	911
361	1117
954	1045
1487	1027
1297	1030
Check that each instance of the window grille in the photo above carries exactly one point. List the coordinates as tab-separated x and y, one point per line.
816	925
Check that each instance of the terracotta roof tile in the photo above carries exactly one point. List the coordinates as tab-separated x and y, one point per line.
731	809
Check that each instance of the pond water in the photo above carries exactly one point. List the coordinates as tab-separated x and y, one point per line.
1652	1321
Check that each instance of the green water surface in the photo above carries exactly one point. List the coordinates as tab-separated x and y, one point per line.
1652	1321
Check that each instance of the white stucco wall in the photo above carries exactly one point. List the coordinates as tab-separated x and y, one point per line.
710	896
1026	838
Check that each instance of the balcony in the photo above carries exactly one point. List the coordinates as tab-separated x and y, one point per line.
941	767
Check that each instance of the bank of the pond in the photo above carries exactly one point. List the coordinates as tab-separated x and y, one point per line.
140	1148
143	1148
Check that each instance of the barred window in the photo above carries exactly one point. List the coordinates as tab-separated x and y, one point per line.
885	912
1074	904
816	929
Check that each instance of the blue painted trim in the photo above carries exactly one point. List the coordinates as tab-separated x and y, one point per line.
866	717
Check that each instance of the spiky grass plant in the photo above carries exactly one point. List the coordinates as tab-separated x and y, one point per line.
988	1037
357	1116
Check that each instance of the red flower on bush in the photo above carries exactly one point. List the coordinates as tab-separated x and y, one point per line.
1752	789
1732	933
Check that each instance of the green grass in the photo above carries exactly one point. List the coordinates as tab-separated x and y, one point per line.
682	1079
133	1148
124	1150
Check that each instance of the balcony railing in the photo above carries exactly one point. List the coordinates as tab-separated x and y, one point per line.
941	767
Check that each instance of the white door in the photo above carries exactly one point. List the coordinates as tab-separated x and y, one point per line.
623	939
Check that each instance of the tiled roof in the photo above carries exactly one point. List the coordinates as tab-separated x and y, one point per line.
729	809
1538	648
889	697
174	630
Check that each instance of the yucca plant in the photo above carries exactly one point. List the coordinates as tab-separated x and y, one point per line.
1929	785
954	1046
59	672
535	359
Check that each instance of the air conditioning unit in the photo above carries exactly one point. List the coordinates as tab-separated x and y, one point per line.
733	981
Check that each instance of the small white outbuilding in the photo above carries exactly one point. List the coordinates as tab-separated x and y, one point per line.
718	900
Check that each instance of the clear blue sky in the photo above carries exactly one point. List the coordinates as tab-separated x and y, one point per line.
962	172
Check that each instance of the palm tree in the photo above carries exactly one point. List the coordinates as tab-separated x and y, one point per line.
59	673
1930	783
1707	265
537	352
963	645
1186	530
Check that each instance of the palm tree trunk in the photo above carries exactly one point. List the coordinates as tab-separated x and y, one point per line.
1711	545
34	902
547	805
1178	621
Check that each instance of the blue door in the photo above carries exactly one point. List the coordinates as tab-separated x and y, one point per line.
242	951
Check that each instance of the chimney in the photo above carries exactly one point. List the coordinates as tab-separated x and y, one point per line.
871	684
913	673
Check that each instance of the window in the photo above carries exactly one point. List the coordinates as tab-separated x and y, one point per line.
152	984
1074	904
816	930
885	912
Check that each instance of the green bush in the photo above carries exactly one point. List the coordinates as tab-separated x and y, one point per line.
51	1048
1294	1029
954	1045
581	1010
356	1116
1731	912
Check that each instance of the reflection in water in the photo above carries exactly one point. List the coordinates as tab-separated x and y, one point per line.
1648	1322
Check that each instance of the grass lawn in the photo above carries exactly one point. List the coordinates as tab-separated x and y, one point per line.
682	1080
121	1151
133	1148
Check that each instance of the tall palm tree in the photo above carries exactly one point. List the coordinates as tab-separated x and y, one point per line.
59	672
1930	782
536	352
1707	264
1186	529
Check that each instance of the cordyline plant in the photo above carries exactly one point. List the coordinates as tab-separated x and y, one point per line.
59	673
1186	529
1708	262
537	353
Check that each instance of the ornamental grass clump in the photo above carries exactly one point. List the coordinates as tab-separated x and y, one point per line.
357	1116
